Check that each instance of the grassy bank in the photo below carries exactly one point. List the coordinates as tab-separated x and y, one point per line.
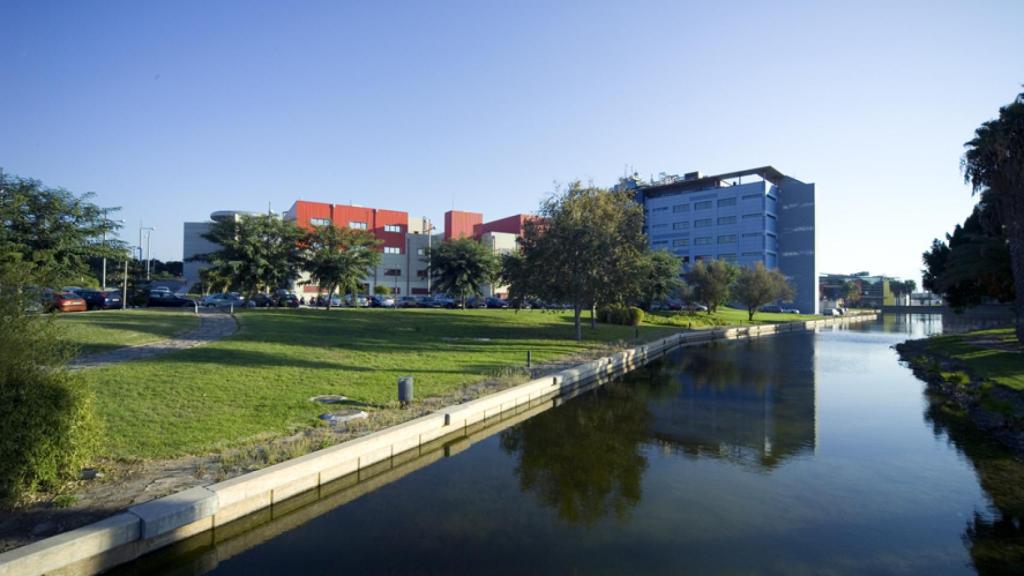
721	317
111	329
992	355
258	382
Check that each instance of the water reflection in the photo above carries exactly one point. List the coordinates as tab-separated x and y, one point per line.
752	403
585	460
995	537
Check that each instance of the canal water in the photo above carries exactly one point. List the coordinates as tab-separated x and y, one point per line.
802	453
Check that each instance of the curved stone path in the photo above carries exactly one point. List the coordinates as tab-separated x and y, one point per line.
212	326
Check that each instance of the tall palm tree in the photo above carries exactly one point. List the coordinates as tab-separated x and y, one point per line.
994	165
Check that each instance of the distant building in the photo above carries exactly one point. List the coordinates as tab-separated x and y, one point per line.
404	245
874	290
749	216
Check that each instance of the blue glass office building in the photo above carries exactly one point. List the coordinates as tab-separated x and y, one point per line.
756	215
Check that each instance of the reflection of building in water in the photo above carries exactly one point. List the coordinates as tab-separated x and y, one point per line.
752	403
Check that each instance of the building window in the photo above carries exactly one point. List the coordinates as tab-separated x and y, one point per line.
727	257
660	242
752	234
320	221
357	225
727	220
681	208
726	202
703	205
421	274
680	225
702	223
393	272
751	216
727	239
752	196
702	240
662	209
753	254
421	251
392	228
392	250
681	242
656	226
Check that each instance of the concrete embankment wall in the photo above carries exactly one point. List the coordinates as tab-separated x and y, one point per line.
158	523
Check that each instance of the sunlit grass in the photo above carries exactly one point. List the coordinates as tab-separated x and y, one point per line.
106	330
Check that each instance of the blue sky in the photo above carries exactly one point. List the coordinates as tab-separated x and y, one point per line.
171	110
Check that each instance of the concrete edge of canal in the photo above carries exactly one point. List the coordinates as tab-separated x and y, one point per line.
147	527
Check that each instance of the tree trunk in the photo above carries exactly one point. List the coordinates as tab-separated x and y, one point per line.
576	312
1015	235
750	314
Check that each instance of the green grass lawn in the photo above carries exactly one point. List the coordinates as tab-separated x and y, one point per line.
111	329
259	381
990	354
721	317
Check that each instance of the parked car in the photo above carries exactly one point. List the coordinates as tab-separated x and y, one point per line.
358	301
288	301
382	302
428	302
695	307
772	308
261	301
100	299
447	302
795	311
831	312
493	302
408	302
162	298
60	301
224	299
476	302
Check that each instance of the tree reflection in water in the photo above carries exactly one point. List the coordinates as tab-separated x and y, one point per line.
585	459
995	537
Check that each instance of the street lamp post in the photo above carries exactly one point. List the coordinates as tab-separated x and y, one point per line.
429	227
148	230
103	281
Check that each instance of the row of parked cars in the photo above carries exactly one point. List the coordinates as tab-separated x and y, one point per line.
75	299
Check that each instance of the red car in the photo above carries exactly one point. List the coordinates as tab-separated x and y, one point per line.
63	302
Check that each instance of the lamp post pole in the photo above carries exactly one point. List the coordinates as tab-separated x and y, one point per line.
149	230
103	280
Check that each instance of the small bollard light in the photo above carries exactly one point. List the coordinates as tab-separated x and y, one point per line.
195	304
232	308
529	358
405	390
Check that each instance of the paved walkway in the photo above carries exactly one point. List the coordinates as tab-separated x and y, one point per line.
212	326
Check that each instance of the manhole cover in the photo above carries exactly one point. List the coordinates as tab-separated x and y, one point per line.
342	416
330	399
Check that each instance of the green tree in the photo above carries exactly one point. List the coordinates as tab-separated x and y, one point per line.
339	257
851	292
972	265
587	248
994	165
712	282
381	290
756	286
461	267
661	271
53	232
259	251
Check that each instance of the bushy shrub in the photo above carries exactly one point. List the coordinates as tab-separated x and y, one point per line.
47	428
622	315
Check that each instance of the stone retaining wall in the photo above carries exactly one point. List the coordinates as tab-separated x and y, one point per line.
155	524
